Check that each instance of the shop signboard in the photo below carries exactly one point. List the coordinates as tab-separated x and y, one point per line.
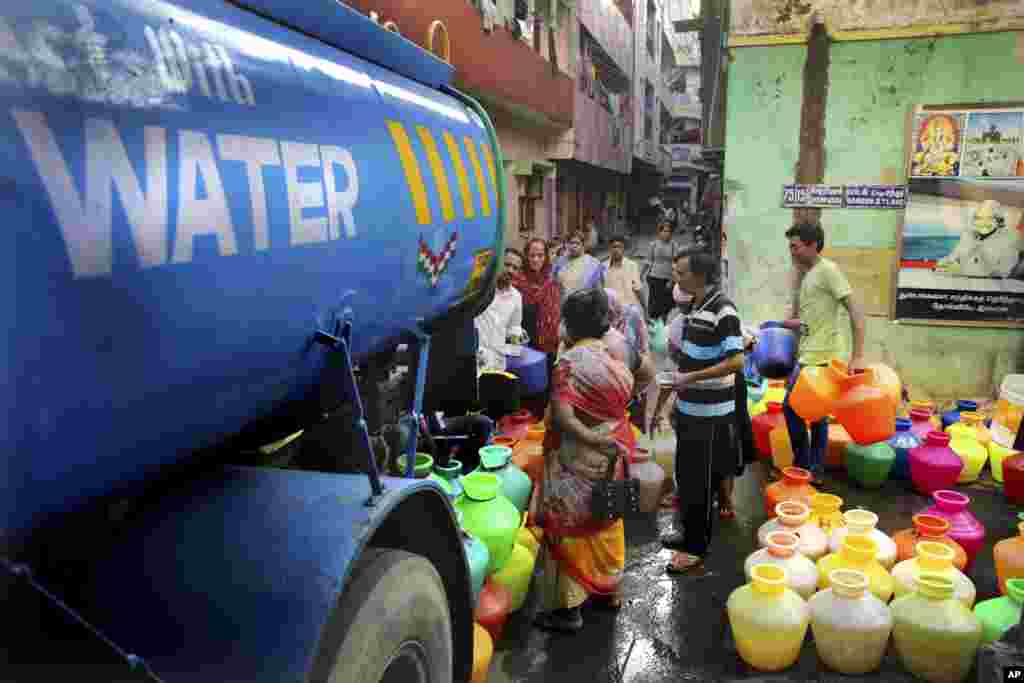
962	240
812	196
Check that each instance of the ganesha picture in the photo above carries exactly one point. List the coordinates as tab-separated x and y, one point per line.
937	145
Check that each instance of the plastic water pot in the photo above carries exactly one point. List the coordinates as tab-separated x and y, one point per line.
651	478
851	626
782	448
531	367
935	558
516	575
869	465
964	527
999	614
1009	409
768	619
489	516
794	485
781	550
515	484
865	410
997	454
483	650
815	392
972	454
493	608
861	522
763	425
775	352
936	637
953	416
902	442
857	553
887	380
927	528
1009	556
1013	478
934	465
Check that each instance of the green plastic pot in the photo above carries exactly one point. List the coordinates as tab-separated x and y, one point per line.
515	483
424	463
489	516
999	614
869	465
448	477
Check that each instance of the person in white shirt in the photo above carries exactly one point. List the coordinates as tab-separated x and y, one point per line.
623	273
503	319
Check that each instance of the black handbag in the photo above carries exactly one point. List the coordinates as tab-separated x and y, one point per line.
612	499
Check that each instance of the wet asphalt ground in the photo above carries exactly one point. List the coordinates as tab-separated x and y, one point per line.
674	628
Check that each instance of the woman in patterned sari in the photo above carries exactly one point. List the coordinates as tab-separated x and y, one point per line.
586	430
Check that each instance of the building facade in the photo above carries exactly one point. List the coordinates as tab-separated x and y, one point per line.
519	60
831	105
595	156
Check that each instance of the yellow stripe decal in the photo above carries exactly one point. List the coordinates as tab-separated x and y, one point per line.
485	201
460	175
440	177
490	166
413	178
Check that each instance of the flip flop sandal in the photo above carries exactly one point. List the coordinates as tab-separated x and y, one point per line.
727	513
681	563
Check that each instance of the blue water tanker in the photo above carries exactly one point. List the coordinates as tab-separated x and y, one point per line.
218	218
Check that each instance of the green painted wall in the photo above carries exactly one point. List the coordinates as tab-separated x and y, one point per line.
871	87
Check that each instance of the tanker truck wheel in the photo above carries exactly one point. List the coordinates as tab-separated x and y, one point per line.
392	624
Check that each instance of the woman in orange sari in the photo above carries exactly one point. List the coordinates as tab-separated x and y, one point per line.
586	431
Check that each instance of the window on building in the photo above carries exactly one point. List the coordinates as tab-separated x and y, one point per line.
652	24
649	110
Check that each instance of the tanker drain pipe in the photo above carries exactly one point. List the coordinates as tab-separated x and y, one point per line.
340	342
423	342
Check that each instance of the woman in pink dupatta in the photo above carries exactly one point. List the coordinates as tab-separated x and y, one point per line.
586	429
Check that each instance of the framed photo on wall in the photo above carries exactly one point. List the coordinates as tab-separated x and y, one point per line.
960	250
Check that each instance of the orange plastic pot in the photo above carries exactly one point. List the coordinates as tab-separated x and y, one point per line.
794	485
528	455
506	441
815	392
865	409
927	528
838	440
888	381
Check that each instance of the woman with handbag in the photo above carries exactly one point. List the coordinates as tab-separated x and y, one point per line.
586	489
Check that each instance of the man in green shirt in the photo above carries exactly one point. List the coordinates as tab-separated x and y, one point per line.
821	288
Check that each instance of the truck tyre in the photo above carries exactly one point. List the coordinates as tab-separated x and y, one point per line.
391	625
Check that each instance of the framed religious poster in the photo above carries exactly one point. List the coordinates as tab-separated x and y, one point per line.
960	252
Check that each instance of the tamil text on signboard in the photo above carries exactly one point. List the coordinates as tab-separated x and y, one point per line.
812	196
876	196
844	196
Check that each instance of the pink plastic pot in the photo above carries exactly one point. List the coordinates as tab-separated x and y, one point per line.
964	527
934	465
921	423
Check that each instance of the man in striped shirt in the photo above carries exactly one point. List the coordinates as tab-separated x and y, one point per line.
707	347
